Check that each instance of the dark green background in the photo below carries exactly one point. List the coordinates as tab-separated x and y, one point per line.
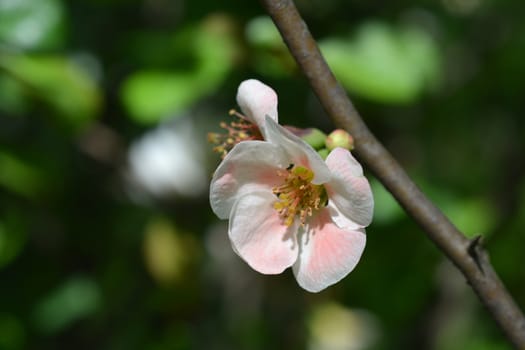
107	240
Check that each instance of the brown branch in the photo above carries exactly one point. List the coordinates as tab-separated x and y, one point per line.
467	255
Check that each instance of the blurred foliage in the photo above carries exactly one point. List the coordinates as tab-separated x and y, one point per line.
389	65
77	298
57	82
169	254
107	240
32	25
20	176
268	52
203	57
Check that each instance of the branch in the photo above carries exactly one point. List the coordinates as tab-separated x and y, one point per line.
467	255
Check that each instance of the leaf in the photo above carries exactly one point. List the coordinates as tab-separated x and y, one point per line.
151	95
30	24
12	98
270	56
57	82
261	31
20	176
75	299
389	65
472	216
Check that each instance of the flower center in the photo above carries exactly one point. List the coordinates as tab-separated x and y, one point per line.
297	196
238	130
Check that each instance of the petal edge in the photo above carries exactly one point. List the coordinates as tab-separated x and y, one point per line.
257	100
248	167
327	253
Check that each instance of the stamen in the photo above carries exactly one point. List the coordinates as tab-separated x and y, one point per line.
237	131
297	196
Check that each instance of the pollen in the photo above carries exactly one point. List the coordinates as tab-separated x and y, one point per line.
297	197
240	129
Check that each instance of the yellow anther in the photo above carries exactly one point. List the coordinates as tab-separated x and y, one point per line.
297	196
237	131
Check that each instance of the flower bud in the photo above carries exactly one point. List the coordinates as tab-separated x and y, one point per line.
323	152
339	138
315	138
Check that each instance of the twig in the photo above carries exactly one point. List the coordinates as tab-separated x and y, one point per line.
475	266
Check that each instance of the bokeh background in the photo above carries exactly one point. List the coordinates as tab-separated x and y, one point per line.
107	240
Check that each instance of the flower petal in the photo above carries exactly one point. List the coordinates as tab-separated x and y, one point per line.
259	236
248	167
341	220
327	253
349	189
257	100
299	152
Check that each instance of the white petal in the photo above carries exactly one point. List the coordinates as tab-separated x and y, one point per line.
259	236
299	152
327	253
248	167
257	100
349	190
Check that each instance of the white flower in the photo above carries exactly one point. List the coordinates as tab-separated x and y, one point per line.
289	208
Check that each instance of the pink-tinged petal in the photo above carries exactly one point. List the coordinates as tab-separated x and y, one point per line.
341	220
299	152
257	100
249	166
258	235
340	157
348	189
327	253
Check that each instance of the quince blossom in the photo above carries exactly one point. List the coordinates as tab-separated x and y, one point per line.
289	208
257	101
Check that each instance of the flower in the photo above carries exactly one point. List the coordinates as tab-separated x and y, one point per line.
289	208
256	100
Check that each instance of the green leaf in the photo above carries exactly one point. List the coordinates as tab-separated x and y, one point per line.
151	95
261	31
31	24
315	138
77	298
12	97
270	56
215	51
385	64
20	176
57	82
472	216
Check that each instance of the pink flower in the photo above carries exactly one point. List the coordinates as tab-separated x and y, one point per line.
289	208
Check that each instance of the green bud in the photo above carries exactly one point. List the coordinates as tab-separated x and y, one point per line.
339	138
314	137
323	153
